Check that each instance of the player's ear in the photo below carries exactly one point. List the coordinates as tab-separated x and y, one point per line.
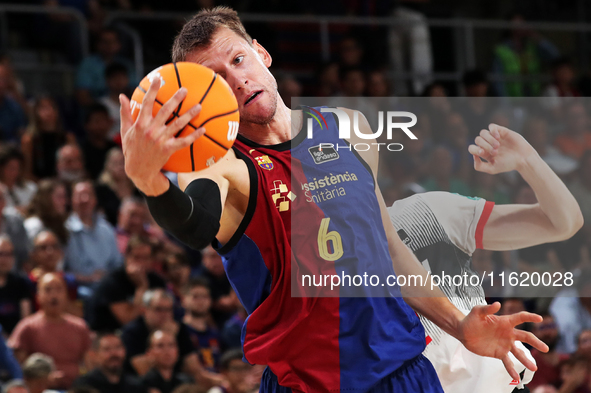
265	56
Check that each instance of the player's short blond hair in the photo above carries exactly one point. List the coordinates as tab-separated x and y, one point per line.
198	31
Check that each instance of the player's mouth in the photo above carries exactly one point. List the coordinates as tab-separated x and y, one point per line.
253	97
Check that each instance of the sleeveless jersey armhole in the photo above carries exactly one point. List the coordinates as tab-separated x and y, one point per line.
252	202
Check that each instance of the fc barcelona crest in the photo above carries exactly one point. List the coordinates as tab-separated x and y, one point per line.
265	162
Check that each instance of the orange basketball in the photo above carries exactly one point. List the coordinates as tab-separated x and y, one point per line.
219	112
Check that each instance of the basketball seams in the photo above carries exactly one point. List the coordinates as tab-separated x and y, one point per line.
215	75
178	80
217	122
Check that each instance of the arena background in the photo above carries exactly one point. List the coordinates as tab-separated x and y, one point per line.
64	62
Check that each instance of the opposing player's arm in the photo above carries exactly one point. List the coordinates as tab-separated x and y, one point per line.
480	331
192	216
555	217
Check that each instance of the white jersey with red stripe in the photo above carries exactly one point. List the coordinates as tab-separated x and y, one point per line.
443	230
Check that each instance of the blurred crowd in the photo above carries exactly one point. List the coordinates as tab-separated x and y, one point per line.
96	298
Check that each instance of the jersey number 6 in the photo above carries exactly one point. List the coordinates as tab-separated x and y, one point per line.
324	237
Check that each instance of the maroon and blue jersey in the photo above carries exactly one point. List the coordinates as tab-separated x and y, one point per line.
339	340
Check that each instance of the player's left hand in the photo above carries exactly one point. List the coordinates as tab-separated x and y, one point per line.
487	334
504	150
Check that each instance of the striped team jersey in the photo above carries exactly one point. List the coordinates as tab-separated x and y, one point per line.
443	230
315	339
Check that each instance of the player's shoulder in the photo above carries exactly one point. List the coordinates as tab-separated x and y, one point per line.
423	197
439	202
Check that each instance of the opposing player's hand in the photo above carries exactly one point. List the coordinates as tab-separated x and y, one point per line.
504	150
494	336
149	142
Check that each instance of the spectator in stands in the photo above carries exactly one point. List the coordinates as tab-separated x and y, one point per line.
177	269
232	330
535	131
562	89
522	53
13	119
15	290
576	137
350	53
117	79
442	178
109	377
377	84
511	305
53	332
476	110
164	352
437	108
134	219
118	298
15	386
15	86
352	82
571	310
90	80
327	84
19	191
290	89
114	185
92	246
236	372
47	254
225	302
205	335
574	375
38	373
158	315
548	363
44	136
581	187
584	342
11	224
97	143
457	139
70	163
46	257
489	187
434	89
48	210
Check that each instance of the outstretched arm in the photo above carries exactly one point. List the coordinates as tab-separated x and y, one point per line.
480	331
555	217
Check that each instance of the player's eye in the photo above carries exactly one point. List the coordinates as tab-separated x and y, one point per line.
238	59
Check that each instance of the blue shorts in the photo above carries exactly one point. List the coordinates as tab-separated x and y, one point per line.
415	376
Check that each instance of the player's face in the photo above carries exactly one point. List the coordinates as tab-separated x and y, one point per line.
245	68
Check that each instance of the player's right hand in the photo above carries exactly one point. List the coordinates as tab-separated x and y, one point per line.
149	142
504	150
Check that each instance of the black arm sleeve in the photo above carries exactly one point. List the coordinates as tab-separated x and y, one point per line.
192	216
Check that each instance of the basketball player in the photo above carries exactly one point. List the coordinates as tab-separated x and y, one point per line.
310	344
444	229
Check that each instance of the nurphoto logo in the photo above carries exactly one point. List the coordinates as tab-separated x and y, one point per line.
392	123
